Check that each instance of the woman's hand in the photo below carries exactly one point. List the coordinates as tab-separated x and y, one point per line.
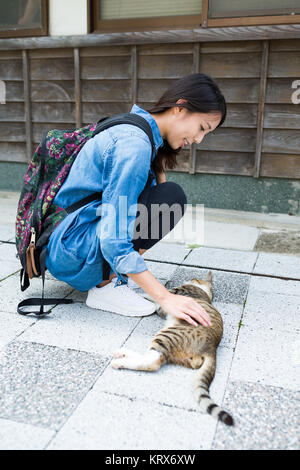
185	308
179	306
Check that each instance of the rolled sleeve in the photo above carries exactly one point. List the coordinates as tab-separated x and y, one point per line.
125	173
131	263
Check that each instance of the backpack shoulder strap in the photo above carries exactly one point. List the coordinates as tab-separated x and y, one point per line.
127	118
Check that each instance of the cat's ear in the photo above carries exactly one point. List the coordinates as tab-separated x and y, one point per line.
209	277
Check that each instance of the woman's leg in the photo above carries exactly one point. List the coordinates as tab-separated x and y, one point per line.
155	224
165	205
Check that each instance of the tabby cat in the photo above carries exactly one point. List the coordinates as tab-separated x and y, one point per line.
181	343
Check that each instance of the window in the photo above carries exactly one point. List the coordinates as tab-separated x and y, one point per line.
240	8
244	12
128	15
139	15
23	18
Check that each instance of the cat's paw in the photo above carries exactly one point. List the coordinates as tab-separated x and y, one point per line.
117	364
124	359
119	353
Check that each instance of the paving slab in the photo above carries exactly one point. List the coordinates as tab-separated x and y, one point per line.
167	252
7	269
7	232
227	287
271	310
268	357
12	325
266	418
48	275
11	294
230	235
269	285
8	253
8	212
21	436
232	260
42	385
231	316
190	228
162	271
271	220
105	421
271	264
9	264
171	385
77	296
79	327
148	326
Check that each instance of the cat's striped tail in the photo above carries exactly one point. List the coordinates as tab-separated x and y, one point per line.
204	378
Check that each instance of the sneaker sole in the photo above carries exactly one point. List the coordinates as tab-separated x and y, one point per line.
119	311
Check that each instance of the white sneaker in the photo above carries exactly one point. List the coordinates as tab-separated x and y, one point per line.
120	299
133	285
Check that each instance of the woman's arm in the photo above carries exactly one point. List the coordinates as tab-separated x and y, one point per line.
126	164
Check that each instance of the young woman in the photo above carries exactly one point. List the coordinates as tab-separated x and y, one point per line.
117	161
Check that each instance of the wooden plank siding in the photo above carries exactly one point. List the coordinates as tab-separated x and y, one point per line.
261	106
69	88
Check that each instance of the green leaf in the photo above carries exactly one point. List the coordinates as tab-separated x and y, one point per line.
192	246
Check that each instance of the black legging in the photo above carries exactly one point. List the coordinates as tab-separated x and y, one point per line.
165	193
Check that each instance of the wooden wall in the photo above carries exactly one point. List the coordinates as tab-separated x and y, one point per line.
64	88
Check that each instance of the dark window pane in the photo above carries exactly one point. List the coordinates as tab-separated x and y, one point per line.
20	14
240	8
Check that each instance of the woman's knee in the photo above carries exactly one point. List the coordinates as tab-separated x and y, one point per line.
173	194
166	206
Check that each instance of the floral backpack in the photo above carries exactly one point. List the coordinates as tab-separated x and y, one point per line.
38	216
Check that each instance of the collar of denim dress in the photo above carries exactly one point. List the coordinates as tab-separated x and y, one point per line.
158	140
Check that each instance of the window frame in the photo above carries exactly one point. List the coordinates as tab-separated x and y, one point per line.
245	20
42	31
181	22
140	24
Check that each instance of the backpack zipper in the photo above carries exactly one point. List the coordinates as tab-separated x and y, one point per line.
33	234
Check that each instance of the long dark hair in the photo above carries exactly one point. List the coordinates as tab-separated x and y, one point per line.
202	95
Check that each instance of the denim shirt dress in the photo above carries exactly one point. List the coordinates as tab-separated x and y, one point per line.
117	162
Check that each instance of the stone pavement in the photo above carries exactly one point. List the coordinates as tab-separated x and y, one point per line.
57	390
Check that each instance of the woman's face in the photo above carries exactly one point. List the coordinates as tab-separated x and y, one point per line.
186	128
